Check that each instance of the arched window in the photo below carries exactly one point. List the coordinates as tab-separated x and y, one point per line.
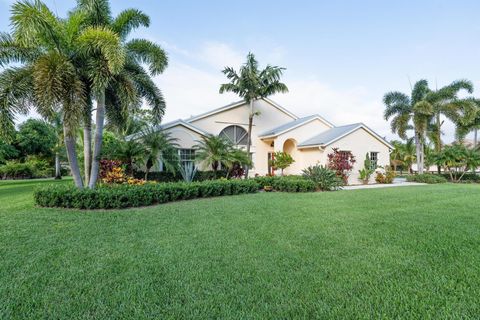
236	135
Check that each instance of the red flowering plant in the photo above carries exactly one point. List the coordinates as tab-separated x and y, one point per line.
342	163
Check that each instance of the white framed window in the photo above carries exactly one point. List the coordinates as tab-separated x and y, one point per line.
186	156
374	159
237	135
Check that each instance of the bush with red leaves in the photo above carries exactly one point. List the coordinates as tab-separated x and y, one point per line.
342	163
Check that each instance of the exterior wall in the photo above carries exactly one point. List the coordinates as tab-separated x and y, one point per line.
269	117
359	143
186	138
302	159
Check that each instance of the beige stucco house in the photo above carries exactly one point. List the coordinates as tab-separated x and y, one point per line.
308	139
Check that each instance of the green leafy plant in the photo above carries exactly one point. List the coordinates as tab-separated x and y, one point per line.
281	160
188	171
285	183
367	171
426	178
457	159
324	178
124	196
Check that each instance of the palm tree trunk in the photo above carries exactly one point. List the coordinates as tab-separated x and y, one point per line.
147	170
70	145
439	140
87	147
97	150
249	138
475	137
58	173
418	148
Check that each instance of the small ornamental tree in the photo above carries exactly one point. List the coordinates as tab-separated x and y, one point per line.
342	163
281	160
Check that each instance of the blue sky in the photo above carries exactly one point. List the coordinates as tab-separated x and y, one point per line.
341	56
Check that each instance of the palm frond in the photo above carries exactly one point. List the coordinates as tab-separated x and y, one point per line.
33	23
420	91
12	51
147	90
56	82
16	97
97	11
129	20
144	51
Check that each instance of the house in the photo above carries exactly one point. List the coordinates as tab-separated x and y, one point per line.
308	139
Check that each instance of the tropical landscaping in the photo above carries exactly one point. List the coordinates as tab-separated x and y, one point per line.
104	215
348	254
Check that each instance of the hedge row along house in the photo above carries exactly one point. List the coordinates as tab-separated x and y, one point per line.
308	139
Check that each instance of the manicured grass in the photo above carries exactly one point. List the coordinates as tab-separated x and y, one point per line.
410	252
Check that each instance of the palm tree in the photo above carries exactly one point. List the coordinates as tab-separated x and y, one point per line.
445	102
396	157
213	151
469	122
159	146
47	74
130	152
118	94
406	110
251	84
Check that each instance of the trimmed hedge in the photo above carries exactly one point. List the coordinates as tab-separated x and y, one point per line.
427	178
125	196
286	183
177	177
467	177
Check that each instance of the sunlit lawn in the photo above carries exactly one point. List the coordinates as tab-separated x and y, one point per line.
410	252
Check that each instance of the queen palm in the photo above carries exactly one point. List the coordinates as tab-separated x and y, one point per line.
412	112
121	93
251	84
47	76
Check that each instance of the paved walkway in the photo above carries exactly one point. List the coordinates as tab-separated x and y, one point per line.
398	182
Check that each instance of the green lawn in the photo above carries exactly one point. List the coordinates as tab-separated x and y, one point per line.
410	252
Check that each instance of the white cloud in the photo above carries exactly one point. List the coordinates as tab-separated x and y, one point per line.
219	55
192	90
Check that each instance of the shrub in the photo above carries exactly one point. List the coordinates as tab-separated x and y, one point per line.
469	177
281	160
286	183
32	168
385	178
165	176
426	178
124	195
325	179
342	162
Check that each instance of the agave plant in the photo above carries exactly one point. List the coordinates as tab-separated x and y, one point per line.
188	171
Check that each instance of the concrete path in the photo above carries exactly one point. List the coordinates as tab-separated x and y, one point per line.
397	182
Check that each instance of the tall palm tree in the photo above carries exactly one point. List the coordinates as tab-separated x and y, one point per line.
251	84
46	74
117	94
412	112
159	146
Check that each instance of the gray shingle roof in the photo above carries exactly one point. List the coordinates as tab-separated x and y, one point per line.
330	135
289	125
